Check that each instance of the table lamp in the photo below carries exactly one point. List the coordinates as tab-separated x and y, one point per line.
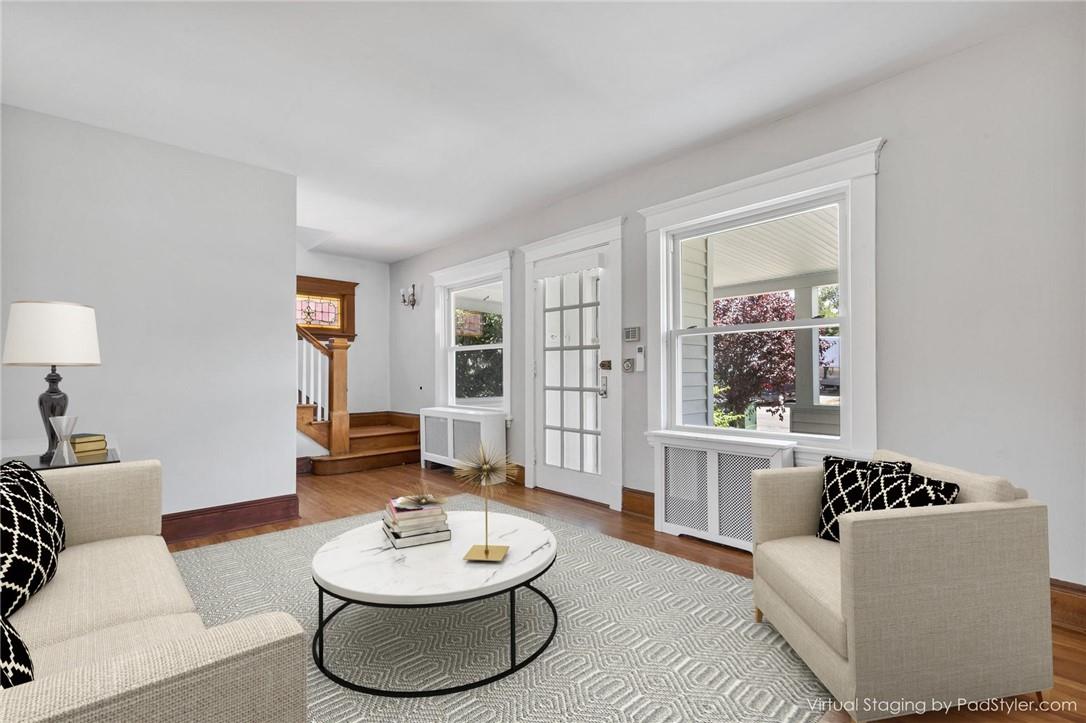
51	334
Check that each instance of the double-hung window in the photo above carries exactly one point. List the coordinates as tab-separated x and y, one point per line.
759	319
472	316
477	350
762	306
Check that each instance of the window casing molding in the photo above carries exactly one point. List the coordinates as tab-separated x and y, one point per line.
847	174
489	269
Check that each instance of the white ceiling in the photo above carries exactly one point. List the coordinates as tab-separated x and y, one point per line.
409	124
782	248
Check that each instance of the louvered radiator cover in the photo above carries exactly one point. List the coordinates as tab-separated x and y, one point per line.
733	494
455	434
703	487
436	430
686	494
467	434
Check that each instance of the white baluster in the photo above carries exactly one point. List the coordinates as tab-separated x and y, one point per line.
313	375
323	383
309	373
318	389
305	374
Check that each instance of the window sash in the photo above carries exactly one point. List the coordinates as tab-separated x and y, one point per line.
760	326
675	351
453	351
456	348
676	334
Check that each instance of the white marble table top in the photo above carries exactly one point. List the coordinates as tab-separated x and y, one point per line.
362	565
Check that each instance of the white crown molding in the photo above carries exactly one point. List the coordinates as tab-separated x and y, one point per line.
487	266
855	161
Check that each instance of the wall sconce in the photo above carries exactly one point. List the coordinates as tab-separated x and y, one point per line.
408	298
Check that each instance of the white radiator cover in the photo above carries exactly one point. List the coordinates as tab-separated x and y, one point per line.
451	434
703	483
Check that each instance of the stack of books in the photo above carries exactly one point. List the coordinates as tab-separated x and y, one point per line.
89	447
409	524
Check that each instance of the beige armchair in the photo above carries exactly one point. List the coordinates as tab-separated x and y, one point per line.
920	607
114	636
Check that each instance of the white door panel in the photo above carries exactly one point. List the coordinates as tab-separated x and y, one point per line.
571	407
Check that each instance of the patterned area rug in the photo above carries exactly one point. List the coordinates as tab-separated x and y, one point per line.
642	636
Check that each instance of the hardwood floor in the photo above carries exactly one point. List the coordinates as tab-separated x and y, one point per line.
330	497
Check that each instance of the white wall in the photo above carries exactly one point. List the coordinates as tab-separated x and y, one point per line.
981	254
189	261
367	359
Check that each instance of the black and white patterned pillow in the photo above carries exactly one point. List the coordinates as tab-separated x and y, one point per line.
899	491
844	486
16	667
31	535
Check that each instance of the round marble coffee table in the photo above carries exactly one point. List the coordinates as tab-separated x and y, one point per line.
360	567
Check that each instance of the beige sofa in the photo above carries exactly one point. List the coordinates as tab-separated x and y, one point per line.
937	604
114	635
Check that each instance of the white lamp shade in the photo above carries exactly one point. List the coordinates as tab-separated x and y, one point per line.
51	333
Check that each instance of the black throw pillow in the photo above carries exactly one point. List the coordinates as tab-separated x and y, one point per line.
31	535
16	667
844	485
899	491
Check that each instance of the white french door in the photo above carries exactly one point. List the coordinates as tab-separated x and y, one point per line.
576	391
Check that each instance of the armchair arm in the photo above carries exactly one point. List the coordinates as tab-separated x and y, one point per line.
105	501
943	603
247	670
785	502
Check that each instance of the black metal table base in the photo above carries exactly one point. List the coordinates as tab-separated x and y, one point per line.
514	664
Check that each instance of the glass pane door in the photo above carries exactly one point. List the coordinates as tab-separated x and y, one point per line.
571	374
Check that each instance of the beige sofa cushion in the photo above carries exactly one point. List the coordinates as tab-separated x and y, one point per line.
115	640
806	571
102	584
973	487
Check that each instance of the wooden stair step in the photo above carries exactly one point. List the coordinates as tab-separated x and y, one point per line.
361	420
372	452
366	459
307	424
378	430
385	436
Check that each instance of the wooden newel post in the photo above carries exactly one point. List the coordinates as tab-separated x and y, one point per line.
339	438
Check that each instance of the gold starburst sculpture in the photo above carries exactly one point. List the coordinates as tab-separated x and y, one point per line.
485	471
422	496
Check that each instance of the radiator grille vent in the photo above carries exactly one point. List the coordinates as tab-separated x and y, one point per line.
437	436
733	487
466	438
686	488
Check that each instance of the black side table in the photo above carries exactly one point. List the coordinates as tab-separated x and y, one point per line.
34	462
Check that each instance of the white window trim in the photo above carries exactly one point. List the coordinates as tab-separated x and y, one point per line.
850	171
495	267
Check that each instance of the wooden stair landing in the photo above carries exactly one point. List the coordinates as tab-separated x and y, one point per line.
378	439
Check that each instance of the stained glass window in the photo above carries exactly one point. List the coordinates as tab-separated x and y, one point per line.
320	312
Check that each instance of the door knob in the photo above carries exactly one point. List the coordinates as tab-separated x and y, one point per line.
603	388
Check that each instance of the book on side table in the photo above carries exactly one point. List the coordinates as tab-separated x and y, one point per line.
409	524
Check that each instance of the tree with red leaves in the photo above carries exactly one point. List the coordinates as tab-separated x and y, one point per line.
754	365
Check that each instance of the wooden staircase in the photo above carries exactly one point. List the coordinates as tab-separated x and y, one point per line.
377	439
355	442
